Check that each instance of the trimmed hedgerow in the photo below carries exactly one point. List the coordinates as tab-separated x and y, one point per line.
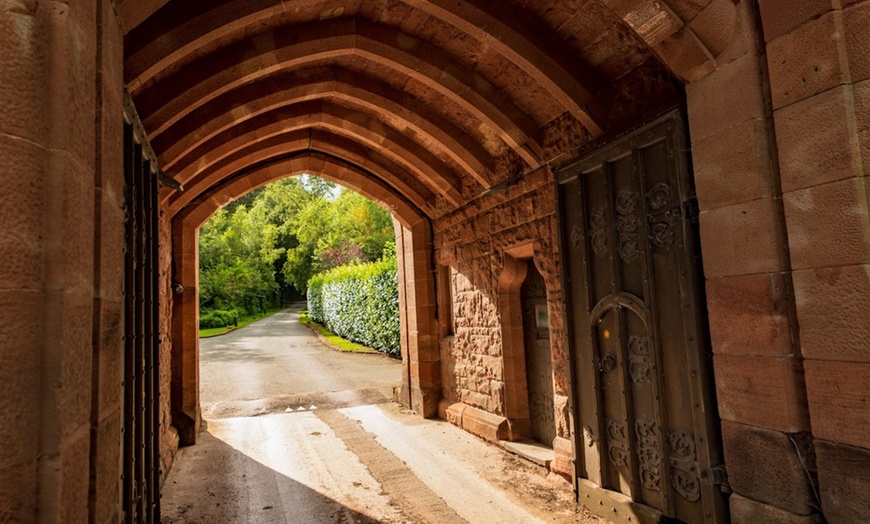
216	318
359	302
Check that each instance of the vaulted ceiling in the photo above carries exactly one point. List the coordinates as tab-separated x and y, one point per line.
437	101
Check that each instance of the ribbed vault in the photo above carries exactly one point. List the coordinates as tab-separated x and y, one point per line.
437	100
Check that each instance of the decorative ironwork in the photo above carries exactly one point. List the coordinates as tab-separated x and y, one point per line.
661	217
589	435
684	467
576	236
639	359
608	362
597	229
648	454
627	225
617	444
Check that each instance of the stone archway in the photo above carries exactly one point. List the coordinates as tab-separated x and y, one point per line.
411	229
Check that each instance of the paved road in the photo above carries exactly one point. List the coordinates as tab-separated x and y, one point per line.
355	458
276	364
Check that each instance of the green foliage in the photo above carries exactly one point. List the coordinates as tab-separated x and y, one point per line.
217	318
264	247
359	302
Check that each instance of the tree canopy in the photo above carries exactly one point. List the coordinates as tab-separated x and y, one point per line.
267	244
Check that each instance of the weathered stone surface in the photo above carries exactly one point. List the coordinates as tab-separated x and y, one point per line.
844	481
805	61
839	399
751	229
770	466
826	155
563	457
749	315
828	225
781	16
733	165
833	305
763	392
748	511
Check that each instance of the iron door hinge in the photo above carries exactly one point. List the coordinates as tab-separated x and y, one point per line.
691	210
720	478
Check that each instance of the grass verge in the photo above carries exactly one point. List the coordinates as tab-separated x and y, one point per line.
243	321
340	343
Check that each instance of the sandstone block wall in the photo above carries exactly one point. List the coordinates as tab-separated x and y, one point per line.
475	369
61	302
819	62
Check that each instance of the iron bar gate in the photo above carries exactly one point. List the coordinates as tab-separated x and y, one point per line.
141	436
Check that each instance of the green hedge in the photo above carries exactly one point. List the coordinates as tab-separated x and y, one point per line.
359	302
216	318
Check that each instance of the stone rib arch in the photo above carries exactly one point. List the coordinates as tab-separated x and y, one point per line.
166	102
197	211
316	114
185	236
296	143
361	91
505	30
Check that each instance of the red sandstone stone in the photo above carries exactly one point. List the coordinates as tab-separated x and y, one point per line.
828	153
730	96
839	396
763	392
749	315
844	482
741	239
18	486
563	457
21	339
74	481
22	214
715	25
827	224
24	62
733	165
108	468
805	61
748	511
781	16
769	466
856	20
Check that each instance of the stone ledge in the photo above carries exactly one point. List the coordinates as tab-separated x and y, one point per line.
748	511
474	420
531	451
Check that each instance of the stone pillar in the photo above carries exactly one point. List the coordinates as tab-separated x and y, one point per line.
186	415
757	360
421	374
818	54
61	235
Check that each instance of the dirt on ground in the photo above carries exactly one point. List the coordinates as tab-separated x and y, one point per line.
296	432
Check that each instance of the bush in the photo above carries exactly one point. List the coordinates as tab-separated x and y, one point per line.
216	318
359	302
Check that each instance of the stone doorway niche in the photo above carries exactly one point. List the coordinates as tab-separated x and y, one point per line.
518	261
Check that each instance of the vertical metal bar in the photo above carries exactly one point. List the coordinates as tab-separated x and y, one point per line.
148	350
139	393
128	476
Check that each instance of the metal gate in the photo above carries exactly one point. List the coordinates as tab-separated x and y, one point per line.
539	364
644	416
141	439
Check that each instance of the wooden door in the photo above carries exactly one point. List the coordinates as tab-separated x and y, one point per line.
644	414
539	364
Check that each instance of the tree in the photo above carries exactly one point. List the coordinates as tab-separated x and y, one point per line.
268	243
